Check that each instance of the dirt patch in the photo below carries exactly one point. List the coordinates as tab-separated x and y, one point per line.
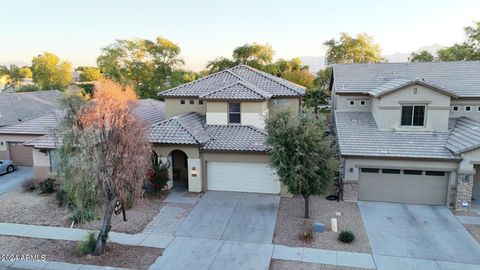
40	209
290	222
293	265
115	255
474	230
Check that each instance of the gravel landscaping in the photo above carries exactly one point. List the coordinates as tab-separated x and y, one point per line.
293	265
465	213
290	223
115	255
40	209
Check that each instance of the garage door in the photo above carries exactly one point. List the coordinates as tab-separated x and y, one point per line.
243	177
20	154
405	186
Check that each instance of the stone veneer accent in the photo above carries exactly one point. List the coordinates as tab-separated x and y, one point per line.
464	190
350	191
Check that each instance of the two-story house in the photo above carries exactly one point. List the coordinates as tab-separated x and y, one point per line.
409	132
214	138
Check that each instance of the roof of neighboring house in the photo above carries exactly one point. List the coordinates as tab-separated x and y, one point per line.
49	141
464	135
191	129
458	77
358	135
397	84
17	107
237	91
39	125
268	83
151	111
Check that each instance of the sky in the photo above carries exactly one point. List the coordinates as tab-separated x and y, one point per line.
206	29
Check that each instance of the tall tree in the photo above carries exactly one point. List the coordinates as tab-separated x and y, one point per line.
88	74
14	74
422	56
348	49
111	151
304	160
51	73
468	50
144	64
251	54
302	77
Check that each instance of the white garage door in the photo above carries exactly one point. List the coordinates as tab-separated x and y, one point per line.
243	177
404	186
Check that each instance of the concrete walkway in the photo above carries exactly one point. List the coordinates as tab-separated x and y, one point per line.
52	265
469	220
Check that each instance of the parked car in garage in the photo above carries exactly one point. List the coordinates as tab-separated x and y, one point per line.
7	166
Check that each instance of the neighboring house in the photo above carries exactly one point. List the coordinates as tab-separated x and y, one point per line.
215	138
409	132
33	142
17	107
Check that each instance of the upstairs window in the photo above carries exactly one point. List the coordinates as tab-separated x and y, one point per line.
413	116
200	102
182	101
468	108
192	101
351	102
455	108
234	113
363	102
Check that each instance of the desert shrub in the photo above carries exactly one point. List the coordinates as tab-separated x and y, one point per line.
27	88
65	199
47	186
346	237
159	176
28	184
82	215
87	245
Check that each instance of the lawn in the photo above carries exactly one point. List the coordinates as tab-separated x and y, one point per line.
37	209
290	222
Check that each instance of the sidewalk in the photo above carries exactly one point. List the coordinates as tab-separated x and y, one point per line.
52	265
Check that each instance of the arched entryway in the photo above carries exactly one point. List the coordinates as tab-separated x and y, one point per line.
179	169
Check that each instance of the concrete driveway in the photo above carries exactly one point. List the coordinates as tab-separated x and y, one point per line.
225	230
10	181
235	216
406	236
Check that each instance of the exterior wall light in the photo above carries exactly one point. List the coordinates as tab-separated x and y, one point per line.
194	171
466	178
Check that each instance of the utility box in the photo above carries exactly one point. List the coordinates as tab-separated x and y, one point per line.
318	227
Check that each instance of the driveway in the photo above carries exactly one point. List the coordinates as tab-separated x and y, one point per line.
417	236
225	230
10	181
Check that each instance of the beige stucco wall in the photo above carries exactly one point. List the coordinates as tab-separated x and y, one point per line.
173	106
343	105
293	104
387	109
469	159
252	113
4	139
164	150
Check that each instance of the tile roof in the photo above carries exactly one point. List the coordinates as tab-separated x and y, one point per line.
236	138
49	141
397	84
190	128
183	129
17	107
39	125
459	77
151	111
237	91
464	135
241	73
358	135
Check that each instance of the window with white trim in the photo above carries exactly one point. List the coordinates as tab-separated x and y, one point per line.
413	115
234	113
455	108
363	103
351	102
468	108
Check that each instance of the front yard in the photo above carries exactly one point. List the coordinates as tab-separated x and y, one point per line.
290	223
37	209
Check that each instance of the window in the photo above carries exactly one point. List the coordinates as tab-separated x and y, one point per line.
234	113
200	102
370	170
391	171
468	108
415	90
413	116
455	108
351	102
192	101
182	101
412	172
285	101
275	102
363	102
435	173
478	108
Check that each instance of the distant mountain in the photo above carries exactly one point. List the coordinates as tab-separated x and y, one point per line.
318	62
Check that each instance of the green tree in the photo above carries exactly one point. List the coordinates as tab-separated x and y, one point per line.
422	56
302	77
468	50
348	49
304	160
14	74
219	64
255	55
51	73
88	74
144	64
25	72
